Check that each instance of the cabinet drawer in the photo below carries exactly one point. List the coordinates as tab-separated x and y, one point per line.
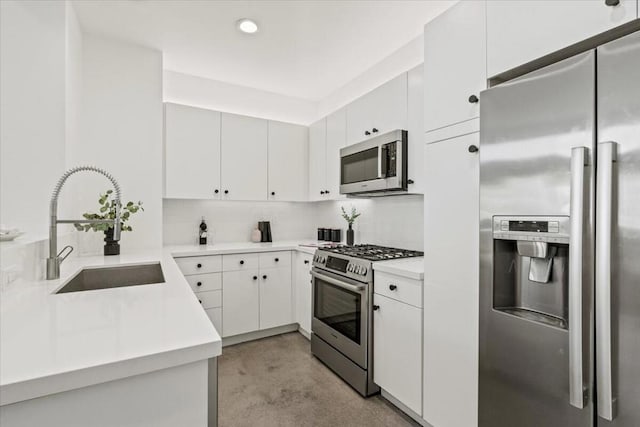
205	282
200	264
398	288
275	259
210	299
239	262
215	315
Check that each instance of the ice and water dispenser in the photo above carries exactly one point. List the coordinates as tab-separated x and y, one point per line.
531	268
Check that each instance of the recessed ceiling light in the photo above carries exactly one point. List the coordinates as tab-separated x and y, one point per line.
247	26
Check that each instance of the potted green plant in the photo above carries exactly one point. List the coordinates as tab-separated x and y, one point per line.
107	210
350	218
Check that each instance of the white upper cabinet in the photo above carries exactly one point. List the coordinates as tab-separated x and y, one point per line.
317	159
244	157
521	31
454	65
326	138
415	126
192	152
382	110
336	139
288	161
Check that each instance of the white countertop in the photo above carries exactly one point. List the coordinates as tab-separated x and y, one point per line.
308	247
52	343
412	268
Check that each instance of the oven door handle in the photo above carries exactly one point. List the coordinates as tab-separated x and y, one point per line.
338	283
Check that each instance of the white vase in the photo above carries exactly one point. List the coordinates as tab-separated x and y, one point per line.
256	236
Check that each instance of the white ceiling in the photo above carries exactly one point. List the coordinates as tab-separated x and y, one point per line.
304	49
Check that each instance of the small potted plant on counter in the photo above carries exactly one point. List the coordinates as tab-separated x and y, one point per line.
350	218
107	210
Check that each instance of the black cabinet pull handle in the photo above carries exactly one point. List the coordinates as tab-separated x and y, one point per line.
473	99
393	287
199	265
366	132
200	301
321	192
612	2
306	261
255	277
374	130
199	284
264	277
473	149
273	193
277	259
226	191
216	191
241	261
326	191
376	307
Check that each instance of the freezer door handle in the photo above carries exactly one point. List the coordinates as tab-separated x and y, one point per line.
577	391
604	206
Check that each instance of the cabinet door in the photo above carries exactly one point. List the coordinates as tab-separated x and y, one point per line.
455	64
288	161
521	31
415	128
276	305
397	350
192	152
240	302
244	157
317	159
381	110
336	139
451	280
303	292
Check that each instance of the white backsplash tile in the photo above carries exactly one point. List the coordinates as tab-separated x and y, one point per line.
392	221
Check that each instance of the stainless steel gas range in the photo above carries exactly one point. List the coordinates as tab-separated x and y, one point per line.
341	327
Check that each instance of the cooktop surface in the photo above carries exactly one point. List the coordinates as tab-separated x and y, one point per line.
374	252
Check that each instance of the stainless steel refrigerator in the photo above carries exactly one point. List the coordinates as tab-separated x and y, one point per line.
560	244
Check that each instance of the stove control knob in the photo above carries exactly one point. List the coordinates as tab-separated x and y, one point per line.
364	271
349	268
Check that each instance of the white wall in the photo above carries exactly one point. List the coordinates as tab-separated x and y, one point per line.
32	110
215	95
393	221
121	131
405	58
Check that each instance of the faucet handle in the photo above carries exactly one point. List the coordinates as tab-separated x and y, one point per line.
67	248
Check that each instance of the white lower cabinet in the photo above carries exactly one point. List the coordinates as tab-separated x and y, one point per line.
451	280
276	308
397	350
240	302
215	315
303	291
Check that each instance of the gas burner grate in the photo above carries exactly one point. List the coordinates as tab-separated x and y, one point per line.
374	252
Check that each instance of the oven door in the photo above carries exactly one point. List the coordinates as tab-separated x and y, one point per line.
341	314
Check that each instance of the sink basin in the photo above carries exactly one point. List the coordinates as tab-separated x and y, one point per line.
91	279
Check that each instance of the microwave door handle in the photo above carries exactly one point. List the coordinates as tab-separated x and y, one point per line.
380	161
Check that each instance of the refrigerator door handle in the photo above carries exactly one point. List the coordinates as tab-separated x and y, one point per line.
604	206
577	391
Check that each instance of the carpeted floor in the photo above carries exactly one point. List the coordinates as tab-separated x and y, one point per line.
277	382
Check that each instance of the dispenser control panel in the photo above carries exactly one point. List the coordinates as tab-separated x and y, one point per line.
553	229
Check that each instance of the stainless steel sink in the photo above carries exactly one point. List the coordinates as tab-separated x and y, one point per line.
90	279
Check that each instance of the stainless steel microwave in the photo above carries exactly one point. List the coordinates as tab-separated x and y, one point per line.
375	166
